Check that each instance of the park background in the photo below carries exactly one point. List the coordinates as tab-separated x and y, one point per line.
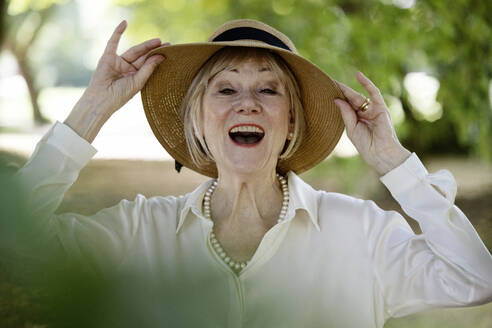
431	59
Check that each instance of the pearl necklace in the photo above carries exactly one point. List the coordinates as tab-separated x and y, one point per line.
236	265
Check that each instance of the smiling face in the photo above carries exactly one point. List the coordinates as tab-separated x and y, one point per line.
269	83
246	117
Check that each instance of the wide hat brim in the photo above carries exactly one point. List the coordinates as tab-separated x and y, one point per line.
164	91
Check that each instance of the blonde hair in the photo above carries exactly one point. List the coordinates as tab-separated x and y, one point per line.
228	58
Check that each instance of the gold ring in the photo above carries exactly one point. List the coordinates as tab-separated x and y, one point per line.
365	105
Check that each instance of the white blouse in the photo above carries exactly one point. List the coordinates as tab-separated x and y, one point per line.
336	261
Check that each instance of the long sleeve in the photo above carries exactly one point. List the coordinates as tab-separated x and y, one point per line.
54	166
447	265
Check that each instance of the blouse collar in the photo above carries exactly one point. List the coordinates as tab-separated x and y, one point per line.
302	197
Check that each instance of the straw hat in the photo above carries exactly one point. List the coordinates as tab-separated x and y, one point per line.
166	88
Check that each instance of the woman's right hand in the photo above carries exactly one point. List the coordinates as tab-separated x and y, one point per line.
116	80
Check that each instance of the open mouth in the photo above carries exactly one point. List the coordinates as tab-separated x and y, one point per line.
246	134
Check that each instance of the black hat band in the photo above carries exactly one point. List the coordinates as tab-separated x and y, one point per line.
251	33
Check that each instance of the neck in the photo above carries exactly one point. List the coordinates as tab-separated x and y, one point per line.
247	199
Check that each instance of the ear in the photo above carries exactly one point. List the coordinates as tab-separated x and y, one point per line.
292	123
290	134
291	117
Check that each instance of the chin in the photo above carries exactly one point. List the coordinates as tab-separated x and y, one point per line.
247	161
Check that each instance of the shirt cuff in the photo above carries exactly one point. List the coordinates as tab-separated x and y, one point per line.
405	176
70	143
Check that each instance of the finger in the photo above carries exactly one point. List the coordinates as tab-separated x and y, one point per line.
112	45
355	98
349	116
371	88
126	68
136	51
148	67
141	60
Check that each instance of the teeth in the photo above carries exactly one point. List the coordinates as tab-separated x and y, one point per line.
246	128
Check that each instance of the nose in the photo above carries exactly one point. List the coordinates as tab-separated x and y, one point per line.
247	103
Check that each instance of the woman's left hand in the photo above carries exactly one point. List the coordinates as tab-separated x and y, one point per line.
371	131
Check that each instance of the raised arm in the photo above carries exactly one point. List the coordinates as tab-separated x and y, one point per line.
448	264
116	80
66	149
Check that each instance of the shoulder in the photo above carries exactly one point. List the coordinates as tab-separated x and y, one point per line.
336	210
346	204
304	195
330	207
145	211
335	207
144	203
348	219
163	203
355	214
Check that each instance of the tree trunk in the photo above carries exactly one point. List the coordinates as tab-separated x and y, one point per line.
20	51
3	14
33	91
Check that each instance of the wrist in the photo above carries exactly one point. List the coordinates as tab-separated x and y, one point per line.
86	119
391	159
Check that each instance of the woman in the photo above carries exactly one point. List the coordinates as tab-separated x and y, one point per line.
246	109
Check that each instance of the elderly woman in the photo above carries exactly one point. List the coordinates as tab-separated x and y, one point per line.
245	109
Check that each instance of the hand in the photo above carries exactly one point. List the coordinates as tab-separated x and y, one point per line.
116	80
372	131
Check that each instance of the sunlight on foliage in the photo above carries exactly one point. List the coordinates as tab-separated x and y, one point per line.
396	109
19	6
388	40
422	89
283	7
174	5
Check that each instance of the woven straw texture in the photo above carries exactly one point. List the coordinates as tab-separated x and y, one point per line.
164	91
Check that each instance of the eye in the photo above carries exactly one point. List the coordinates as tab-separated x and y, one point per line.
227	91
269	91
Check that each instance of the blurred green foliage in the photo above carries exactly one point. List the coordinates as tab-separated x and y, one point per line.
38	289
43	286
450	41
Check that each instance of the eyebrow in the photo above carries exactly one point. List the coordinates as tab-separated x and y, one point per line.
263	69
274	82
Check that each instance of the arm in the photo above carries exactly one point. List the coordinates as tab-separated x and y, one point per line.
66	149
448	265
116	80
99	241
